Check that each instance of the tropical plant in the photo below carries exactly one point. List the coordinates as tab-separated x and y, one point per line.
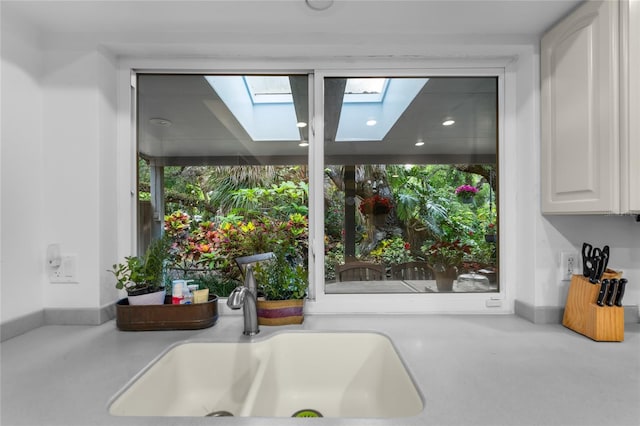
199	249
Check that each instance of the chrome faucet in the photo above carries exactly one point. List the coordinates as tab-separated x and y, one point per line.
245	297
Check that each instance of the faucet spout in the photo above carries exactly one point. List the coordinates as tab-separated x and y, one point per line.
245	297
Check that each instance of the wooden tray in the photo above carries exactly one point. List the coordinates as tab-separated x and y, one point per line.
167	316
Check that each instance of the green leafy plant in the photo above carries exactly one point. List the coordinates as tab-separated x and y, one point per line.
393	251
140	275
282	278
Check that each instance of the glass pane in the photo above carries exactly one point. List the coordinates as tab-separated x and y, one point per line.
223	171
411	186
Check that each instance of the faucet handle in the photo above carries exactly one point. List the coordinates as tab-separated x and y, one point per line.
236	298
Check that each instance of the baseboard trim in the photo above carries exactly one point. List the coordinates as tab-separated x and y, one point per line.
554	314
75	316
57	316
21	325
538	314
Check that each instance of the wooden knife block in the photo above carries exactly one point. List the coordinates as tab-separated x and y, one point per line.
583	315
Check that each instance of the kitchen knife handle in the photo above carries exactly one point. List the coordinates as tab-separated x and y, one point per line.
586	259
593	279
603	292
611	291
621	285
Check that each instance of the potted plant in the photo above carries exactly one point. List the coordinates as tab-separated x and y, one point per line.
490	235
282	287
142	277
466	193
445	257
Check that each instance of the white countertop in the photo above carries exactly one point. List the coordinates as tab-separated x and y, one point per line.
471	370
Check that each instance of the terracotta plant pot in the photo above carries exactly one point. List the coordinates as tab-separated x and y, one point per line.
280	312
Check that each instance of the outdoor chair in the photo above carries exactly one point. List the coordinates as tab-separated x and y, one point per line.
411	271
360	271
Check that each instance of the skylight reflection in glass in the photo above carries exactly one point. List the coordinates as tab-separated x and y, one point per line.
388	98
263	105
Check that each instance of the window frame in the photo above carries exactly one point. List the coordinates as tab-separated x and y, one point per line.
320	302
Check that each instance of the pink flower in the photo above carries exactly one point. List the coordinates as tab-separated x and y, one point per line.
466	189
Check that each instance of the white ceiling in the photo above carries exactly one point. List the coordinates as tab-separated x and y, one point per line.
223	26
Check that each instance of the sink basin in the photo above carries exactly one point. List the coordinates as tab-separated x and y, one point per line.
335	374
190	379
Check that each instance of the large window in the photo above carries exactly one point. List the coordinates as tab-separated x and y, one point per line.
410	184
409	188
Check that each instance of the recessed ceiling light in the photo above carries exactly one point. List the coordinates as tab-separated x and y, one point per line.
371	122
448	122
160	122
301	124
303	143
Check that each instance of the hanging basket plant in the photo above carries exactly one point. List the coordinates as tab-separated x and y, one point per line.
375	205
466	193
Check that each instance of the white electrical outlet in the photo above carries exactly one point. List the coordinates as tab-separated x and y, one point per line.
568	265
66	272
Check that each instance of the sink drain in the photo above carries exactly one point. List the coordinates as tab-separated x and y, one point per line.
307	413
220	413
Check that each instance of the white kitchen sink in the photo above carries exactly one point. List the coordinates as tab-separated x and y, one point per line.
335	374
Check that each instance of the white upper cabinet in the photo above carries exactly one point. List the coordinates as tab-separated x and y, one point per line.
579	109
589	98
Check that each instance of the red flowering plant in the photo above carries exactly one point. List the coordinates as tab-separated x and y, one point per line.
375	205
446	254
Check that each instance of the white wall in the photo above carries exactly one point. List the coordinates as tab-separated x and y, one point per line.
558	233
23	245
78	143
107	178
524	174
58	171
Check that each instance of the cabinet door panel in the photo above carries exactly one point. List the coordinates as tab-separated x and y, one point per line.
579	154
